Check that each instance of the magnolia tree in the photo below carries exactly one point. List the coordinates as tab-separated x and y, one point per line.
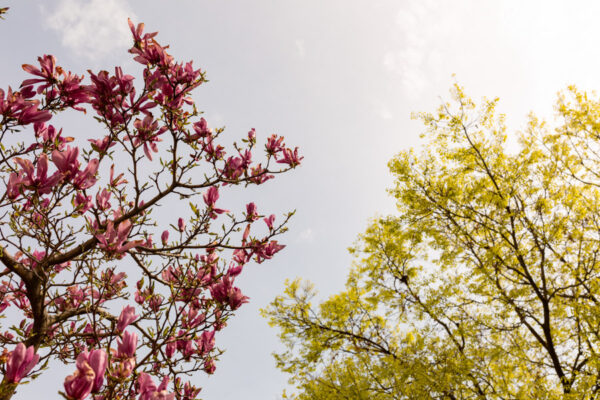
93	276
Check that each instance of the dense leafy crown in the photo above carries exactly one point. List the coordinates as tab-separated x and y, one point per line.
485	285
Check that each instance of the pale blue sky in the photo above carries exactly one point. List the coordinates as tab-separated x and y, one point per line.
338	78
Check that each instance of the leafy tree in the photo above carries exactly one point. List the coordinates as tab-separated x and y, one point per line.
485	285
84	281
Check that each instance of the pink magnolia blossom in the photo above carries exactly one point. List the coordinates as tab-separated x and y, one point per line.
126	317
147	133
259	175
97	359
164	237
13	186
186	347
86	178
127	345
290	158
48	74
79	385
68	165
246	158
116	280
125	368
155	302
89	376
148	390
73	298
206	342
20	362
235	270
102	198
148	243
32	114
210	198
125	84
225	292
240	256
150	52
171	274
246	234
236	298
119	180
234	168
252	135
66	161
47	133
201	131
115	240
267	251
210	366
56	83
190	392
274	144
193	319
82	203
107	99
181	224
170	348
35	178
137	32
101	145
72	92
212	152
269	221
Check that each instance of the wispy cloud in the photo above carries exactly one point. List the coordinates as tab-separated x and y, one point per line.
415	55
382	109
92	28
306	236
300	48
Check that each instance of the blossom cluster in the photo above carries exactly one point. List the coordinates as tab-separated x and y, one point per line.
79	217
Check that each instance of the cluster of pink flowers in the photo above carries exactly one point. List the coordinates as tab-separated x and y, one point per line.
113	240
73	212
21	109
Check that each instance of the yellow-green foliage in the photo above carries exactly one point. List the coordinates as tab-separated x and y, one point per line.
485	285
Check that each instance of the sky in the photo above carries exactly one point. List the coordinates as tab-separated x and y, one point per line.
339	79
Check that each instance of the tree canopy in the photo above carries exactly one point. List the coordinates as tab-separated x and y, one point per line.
484	285
84	278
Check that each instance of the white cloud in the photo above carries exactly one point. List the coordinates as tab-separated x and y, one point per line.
382	109
215	119
415	54
300	49
306	236
92	28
